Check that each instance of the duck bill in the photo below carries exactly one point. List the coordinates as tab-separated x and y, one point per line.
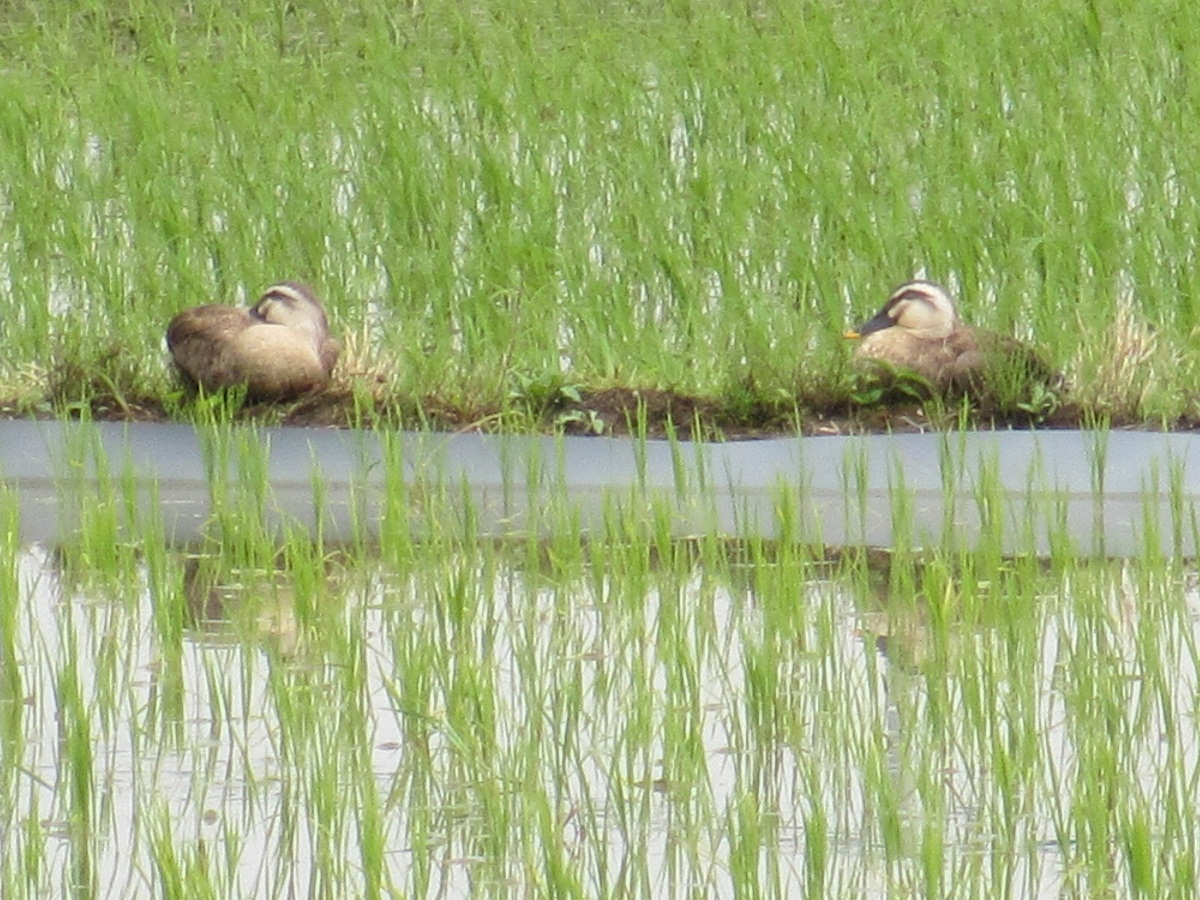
881	321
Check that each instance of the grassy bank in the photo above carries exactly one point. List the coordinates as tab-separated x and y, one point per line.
508	204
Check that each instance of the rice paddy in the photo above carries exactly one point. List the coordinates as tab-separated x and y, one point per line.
529	215
618	718
583	711
618	217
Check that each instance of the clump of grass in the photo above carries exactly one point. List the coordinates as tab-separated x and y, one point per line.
25	391
1132	373
92	378
369	379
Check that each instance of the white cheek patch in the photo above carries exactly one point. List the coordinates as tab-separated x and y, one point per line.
897	310
262	309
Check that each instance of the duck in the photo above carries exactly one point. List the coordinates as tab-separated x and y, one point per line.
918	331
279	348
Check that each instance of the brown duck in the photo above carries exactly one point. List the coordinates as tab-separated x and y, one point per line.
918	331
279	348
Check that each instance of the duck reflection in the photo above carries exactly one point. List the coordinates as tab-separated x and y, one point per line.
234	602
917	614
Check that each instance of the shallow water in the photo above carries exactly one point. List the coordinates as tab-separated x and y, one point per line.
211	743
1115	493
214	695
254	720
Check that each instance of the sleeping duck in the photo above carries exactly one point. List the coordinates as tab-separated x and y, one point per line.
279	348
918	332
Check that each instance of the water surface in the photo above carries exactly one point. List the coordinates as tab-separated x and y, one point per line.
1114	493
474	714
594	699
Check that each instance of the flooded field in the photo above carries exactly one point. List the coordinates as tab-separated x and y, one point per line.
442	700
625	721
252	662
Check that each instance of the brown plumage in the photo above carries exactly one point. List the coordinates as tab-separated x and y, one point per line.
279	348
918	331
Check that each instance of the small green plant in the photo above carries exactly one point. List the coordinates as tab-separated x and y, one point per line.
558	400
1042	402
881	383
584	421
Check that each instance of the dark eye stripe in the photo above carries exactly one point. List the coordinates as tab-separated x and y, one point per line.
287	299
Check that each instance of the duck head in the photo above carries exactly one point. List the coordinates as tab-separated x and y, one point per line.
922	308
293	305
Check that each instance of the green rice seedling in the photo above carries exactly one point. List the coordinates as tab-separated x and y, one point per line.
18	868
901	511
1185	535
11	684
855	491
182	872
1098	457
102	505
991	504
77	777
952	469
242	509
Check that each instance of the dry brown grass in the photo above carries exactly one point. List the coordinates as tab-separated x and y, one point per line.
1126	374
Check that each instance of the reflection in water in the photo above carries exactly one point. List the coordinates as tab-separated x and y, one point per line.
898	617
1055	493
676	718
225	601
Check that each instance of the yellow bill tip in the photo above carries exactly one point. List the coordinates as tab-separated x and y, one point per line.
851	335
